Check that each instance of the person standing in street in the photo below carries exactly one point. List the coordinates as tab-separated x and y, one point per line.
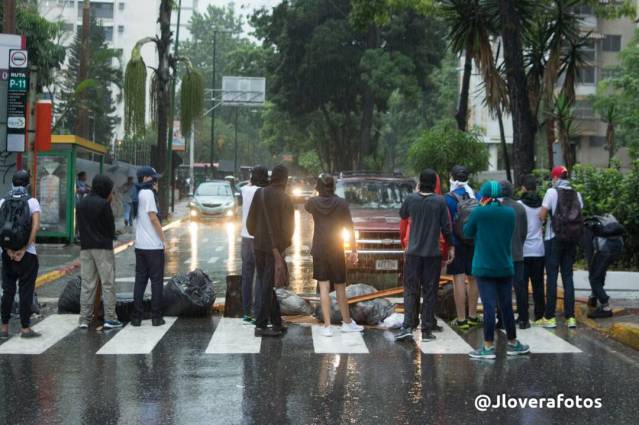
428	214
518	241
564	231
149	247
259	178
20	216
331	217
126	193
492	225
461	266
271	222
97	262
534	247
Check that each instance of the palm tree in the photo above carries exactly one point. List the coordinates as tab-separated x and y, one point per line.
470	31
562	114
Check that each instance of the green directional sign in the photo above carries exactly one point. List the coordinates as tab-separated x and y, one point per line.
18	82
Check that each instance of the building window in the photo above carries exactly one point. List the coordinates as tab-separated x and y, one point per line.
588	74
584	10
610	73
108	33
583	110
67	27
120	29
98	10
611	43
121	6
597	141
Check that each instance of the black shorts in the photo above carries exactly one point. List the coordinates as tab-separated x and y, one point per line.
463	261
330	267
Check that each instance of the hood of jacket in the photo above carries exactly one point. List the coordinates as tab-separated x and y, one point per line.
531	199
324	205
102	186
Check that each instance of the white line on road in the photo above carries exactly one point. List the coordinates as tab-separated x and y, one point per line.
132	279
233	336
53	329
141	340
213	260
187	261
219	249
205	240
544	341
446	342
339	343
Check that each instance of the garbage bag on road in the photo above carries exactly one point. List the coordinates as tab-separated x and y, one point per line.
394	321
445	308
365	313
189	295
124	306
292	304
69	301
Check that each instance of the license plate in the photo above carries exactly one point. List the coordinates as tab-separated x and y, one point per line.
387	265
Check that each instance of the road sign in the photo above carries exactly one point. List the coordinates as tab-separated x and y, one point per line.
243	91
18	59
18	81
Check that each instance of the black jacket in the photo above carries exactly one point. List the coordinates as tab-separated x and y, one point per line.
95	218
331	215
281	216
521	228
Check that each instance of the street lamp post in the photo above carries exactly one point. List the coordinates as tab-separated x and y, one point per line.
215	32
169	156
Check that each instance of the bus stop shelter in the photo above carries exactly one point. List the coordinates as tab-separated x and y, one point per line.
55	182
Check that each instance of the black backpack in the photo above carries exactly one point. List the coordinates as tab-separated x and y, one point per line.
15	222
568	220
465	206
605	225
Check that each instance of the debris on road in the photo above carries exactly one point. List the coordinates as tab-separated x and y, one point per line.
366	312
292	304
189	295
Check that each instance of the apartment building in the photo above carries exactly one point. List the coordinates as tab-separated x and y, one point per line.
606	38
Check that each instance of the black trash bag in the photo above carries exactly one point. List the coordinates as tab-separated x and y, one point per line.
366	313
292	304
69	301
189	295
125	309
445	308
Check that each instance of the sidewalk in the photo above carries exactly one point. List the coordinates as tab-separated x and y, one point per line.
59	260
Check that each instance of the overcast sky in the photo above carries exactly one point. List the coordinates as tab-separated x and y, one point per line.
244	7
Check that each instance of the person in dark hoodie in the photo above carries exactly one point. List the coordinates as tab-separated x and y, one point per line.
96	226
271	222
428	213
534	255
331	217
518	241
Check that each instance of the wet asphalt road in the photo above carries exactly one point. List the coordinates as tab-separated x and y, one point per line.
288	380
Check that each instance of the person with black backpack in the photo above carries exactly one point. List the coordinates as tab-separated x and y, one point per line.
461	201
564	231
19	224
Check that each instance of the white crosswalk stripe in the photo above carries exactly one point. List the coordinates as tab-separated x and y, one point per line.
233	336
339	343
544	341
446	342
137	340
213	260
53	329
219	249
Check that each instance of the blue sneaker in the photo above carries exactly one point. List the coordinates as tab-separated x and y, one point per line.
517	349
483	353
113	324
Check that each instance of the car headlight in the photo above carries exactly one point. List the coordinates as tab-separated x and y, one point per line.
346	237
297	191
229	213
193	213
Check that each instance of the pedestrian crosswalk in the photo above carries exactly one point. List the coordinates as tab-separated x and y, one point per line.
233	336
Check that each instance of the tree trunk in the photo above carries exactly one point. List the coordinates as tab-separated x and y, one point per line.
82	123
462	109
524	123
368	106
163	103
504	147
550	141
610	139
9	17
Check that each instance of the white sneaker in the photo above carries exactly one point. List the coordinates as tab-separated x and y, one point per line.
327	332
351	327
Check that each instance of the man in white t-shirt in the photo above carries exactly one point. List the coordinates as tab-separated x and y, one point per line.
560	252
259	178
534	247
20	266
149	247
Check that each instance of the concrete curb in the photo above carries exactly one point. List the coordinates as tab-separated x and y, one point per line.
626	333
74	265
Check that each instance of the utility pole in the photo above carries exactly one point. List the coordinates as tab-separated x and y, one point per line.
169	160
235	162
82	126
213	97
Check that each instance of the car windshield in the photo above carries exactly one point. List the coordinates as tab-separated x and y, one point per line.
375	194
213	190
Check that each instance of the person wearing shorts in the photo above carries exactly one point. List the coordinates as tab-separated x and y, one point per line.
331	217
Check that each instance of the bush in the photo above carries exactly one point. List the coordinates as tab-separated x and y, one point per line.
444	146
608	190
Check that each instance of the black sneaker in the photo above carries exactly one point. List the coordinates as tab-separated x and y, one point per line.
158	322
524	325
281	329
30	334
404	333
267	332
136	322
592	302
600	313
428	336
437	328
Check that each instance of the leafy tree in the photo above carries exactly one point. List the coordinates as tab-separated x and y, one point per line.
606	103
444	146
103	77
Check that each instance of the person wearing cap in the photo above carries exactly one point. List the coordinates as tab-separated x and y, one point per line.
461	266
492	225
259	178
271	221
518	241
20	266
96	225
560	254
428	214
331	217
149	247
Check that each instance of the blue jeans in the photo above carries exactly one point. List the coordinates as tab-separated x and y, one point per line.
248	272
560	256
497	292
127	213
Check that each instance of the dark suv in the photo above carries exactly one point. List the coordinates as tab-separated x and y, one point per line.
374	201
